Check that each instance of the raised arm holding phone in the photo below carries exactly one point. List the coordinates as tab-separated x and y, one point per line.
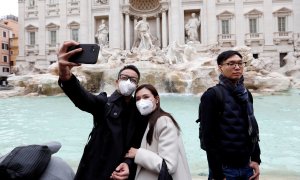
115	119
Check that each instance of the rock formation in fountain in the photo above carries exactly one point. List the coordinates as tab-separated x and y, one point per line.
189	68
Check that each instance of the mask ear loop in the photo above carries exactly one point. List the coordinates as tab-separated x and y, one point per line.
157	99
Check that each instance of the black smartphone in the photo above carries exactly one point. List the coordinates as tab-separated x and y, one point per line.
88	55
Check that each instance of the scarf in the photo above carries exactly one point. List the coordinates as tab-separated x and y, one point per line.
241	94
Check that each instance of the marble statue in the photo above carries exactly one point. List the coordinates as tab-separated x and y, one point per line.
102	34
192	27
143	40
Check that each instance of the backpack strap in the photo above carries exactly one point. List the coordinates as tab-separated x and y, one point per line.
220	101
219	90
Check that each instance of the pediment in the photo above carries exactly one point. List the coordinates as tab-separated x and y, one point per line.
254	12
283	11
73	24
52	25
225	15
31	27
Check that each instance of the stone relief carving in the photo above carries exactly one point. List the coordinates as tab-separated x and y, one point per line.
101	1
31	3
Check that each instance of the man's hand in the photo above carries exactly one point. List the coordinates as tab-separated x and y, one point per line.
121	172
64	66
255	167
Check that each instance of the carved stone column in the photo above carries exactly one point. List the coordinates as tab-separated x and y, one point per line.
127	31
164	29
158	28
134	24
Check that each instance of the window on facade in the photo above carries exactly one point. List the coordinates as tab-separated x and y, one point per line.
253	25
74	34
4	46
32	38
225	26
5	69
53	37
5	59
281	24
4	34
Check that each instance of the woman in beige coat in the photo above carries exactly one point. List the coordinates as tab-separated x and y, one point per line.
162	140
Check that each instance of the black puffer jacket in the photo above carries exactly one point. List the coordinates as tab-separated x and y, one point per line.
226	140
236	147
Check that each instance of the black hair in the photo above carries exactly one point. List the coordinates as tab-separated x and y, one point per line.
132	67
227	54
158	112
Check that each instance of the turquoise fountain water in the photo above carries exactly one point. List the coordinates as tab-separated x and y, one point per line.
29	120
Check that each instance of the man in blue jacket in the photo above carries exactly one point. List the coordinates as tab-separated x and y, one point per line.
115	120
228	129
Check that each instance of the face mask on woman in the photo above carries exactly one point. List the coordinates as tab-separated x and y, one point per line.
145	106
126	87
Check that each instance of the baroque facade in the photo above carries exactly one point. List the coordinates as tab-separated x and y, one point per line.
269	27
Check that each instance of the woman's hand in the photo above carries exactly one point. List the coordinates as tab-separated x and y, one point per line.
131	153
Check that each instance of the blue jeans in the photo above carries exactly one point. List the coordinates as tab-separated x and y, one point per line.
233	173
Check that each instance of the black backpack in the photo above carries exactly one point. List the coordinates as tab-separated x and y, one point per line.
219	91
25	163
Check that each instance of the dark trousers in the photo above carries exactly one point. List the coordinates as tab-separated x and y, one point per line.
235	173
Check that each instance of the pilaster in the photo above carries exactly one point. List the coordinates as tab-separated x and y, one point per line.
240	23
114	24
268	23
211	23
42	33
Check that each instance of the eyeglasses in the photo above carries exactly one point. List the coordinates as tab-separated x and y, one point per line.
233	64
126	77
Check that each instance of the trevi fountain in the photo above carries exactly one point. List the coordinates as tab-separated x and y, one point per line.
188	68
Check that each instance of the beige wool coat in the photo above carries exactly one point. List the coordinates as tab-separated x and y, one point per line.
166	144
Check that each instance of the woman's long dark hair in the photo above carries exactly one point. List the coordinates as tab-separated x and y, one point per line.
158	112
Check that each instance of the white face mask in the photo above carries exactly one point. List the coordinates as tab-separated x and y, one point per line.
145	106
126	87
